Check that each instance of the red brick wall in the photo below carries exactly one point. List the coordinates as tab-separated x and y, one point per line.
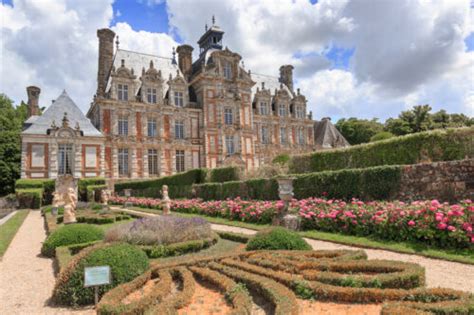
106	119
139	125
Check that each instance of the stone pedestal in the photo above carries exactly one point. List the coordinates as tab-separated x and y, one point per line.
291	222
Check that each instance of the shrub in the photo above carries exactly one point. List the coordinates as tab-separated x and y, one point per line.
281	159
70	234
438	145
276	238
381	136
93	192
224	174
47	185
126	262
30	198
83	185
162	230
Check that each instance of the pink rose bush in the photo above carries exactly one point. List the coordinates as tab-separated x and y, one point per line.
429	222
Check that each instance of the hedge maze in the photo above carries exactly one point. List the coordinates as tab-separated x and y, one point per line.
283	279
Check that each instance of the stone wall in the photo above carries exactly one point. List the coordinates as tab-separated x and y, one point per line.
446	181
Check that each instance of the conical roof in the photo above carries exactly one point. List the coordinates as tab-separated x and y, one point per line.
327	136
55	113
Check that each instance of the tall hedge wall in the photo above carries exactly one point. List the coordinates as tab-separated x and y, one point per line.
195	176
86	182
224	174
47	186
372	183
438	145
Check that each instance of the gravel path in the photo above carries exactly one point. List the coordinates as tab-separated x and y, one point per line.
439	273
26	279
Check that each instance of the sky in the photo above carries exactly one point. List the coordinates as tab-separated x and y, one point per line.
352	58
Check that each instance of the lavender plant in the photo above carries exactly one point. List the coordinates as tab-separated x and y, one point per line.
162	230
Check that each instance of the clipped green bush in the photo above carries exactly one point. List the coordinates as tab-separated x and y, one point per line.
84	183
47	185
381	136
224	174
31	198
70	234
281	159
276	238
437	145
94	192
126	263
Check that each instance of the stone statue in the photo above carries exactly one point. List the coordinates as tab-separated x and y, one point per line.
70	203
165	201
105	196
57	202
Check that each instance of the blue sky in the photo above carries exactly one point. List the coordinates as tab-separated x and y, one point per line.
352	58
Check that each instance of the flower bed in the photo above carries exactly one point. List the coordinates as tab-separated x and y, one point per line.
429	222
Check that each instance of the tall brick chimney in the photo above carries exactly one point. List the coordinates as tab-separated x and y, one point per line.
33	100
106	55
286	76
185	59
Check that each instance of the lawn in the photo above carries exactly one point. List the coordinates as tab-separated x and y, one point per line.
462	256
9	229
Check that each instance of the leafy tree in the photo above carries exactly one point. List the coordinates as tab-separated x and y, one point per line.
358	130
382	136
11	122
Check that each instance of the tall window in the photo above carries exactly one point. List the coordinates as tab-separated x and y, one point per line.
229	144
264	135
282	109
300	136
228	116
123	125
179	161
283	135
263	108
65	159
227	70
122	92
151	95
152	161
151	126
299	112
123	162
178	99
179	129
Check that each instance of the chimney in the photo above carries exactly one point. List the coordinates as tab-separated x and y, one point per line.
185	59
286	76
33	98
106	55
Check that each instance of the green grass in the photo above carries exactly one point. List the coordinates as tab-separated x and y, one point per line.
9	229
463	256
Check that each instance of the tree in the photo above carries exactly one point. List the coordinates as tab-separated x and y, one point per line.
381	136
11	122
358	130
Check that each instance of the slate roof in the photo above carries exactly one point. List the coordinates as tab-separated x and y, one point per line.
327	136
55	112
138	61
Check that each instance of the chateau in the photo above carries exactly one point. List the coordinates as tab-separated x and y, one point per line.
154	116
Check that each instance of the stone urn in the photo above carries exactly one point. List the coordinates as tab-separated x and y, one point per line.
285	192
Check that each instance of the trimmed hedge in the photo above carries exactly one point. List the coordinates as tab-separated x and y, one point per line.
433	146
70	234
93	192
47	186
277	238
31	198
176	249
224	174
84	183
235	237
126	262
258	189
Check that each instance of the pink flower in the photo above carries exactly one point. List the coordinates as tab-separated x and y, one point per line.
442	226
411	223
451	228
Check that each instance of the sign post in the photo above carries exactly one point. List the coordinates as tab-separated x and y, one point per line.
96	276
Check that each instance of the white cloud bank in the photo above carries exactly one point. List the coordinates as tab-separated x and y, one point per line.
405	52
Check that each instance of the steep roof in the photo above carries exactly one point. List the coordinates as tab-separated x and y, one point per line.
271	83
55	112
327	136
138	61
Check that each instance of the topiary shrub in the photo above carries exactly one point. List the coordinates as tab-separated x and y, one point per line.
276	238
30	198
126	263
70	234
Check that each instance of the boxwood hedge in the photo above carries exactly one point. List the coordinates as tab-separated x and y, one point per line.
437	145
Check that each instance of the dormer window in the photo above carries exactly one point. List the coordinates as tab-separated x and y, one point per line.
282	110
263	108
122	90
300	112
178	99
151	95
227	70
214	40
